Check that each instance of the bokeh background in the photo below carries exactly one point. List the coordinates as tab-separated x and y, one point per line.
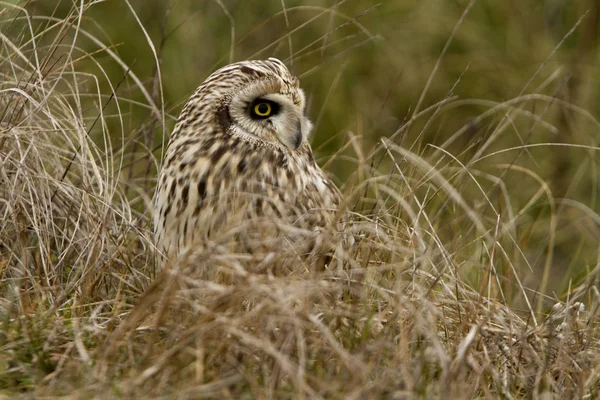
513	73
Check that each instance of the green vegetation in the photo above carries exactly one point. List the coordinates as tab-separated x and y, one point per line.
465	136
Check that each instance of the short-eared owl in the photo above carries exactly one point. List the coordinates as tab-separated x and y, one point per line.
238	153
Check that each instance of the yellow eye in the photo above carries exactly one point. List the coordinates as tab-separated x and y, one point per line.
262	109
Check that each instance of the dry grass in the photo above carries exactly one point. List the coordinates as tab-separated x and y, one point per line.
427	302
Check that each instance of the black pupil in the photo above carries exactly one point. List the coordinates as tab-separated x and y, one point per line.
263	108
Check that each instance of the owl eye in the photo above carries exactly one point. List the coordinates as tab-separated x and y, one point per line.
263	109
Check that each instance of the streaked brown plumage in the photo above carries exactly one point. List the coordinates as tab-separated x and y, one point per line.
239	155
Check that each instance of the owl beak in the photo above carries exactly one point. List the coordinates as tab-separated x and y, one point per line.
297	139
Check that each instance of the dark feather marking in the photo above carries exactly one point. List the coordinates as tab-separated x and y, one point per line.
242	165
167	210
216	156
188	142
298	135
251	72
202	189
185	193
224	117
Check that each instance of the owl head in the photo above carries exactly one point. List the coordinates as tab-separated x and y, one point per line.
259	101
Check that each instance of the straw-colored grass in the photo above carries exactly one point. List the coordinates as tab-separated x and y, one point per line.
429	293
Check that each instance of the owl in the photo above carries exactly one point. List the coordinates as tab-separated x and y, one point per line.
238	167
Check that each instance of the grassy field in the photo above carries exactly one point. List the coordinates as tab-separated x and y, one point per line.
465	136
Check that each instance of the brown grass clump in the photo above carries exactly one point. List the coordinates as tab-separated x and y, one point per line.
424	297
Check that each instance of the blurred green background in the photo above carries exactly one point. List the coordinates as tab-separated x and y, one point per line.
365	66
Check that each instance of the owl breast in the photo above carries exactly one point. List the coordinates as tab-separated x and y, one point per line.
224	188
